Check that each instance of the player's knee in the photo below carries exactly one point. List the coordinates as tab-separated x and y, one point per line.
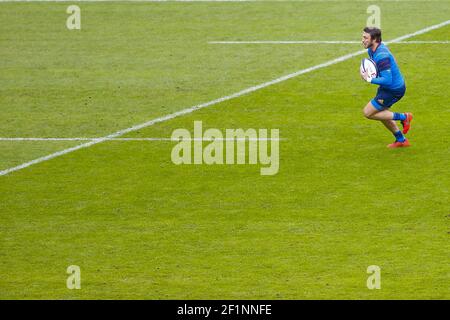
367	113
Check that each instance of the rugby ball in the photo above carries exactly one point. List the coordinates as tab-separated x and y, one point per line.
369	66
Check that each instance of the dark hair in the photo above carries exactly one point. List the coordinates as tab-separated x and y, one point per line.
375	33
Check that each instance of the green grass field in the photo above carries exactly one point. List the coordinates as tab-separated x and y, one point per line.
141	227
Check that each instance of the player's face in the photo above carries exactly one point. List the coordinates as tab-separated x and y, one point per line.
366	40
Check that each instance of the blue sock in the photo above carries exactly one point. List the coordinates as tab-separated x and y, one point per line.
399	116
399	136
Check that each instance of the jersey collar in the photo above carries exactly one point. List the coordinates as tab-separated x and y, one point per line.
373	52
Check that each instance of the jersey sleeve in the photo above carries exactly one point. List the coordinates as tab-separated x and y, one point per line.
384	64
384	78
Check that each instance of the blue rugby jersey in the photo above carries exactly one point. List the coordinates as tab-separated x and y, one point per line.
389	75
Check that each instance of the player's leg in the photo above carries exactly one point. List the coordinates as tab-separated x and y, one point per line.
378	113
387	118
391	125
400	140
384	100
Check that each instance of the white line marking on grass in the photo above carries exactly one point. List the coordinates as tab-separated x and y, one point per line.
167	0
319	42
424	42
215	0
212	102
142	139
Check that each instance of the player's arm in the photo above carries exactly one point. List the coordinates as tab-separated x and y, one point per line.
385	74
